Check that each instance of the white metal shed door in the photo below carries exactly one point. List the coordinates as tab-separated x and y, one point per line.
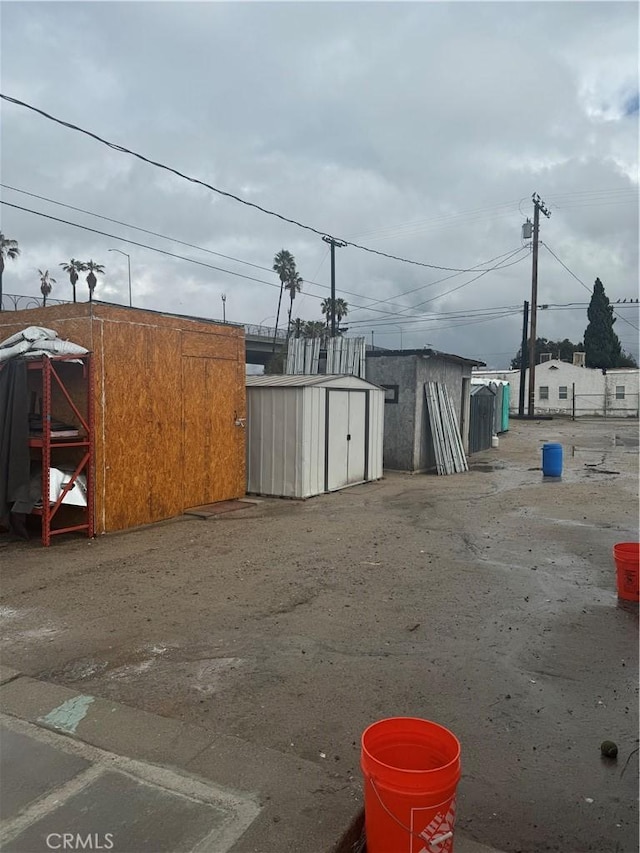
346	438
356	437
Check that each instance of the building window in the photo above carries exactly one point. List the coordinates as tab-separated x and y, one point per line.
544	392
619	392
562	392
390	393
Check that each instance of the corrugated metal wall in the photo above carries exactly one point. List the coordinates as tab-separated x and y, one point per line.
481	418
287	440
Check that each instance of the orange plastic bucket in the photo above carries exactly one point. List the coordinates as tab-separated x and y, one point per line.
627	559
411	769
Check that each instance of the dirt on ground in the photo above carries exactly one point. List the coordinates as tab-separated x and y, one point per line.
485	601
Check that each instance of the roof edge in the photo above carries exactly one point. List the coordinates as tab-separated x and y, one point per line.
425	352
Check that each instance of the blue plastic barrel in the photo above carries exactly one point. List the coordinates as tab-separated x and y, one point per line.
552	460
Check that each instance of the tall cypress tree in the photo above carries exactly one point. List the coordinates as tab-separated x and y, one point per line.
601	343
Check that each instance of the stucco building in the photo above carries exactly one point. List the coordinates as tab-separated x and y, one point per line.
408	445
568	389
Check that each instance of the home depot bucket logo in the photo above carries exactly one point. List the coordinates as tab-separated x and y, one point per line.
438	834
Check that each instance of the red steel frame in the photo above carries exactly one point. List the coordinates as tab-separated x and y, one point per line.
47	366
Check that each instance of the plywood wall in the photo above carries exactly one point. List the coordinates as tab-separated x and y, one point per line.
168	394
172	391
213	370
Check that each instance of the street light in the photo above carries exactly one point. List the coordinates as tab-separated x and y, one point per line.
128	257
224	307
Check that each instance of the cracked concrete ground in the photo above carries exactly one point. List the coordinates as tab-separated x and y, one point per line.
484	601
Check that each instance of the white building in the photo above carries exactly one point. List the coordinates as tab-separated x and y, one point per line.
568	389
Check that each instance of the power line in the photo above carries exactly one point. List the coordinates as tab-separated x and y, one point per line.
392	299
445	315
604	192
134	227
586	286
491	211
452	290
120	148
160	251
142	245
163	236
230	257
480	275
464	314
432	330
419	224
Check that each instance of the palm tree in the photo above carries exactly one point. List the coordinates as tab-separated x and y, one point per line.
285	265
297	327
341	309
46	282
8	249
91	278
314	329
73	268
293	285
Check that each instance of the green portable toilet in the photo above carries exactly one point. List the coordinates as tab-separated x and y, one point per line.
506	395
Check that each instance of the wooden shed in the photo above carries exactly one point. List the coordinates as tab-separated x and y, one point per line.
169	413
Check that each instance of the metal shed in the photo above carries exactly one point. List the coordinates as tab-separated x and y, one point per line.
312	434
483	400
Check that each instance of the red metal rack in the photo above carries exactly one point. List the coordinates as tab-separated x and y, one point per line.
47	445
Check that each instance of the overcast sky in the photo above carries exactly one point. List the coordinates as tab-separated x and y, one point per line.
416	129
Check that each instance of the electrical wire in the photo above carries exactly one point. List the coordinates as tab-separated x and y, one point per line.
412	227
420	224
452	290
162	251
201	248
586	286
470	313
392	299
170	239
134	227
120	148
240	260
142	245
433	329
427	317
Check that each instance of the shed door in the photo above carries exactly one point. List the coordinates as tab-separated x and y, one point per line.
356	445
346	438
209	469
481	422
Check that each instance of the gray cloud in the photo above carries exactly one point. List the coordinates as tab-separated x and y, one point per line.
417	129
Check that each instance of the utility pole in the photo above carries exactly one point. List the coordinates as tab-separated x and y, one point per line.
340	244
523	359
538	206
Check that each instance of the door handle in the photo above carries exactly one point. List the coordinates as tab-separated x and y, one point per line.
348	436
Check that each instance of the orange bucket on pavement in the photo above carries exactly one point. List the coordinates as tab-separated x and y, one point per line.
411	770
627	559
